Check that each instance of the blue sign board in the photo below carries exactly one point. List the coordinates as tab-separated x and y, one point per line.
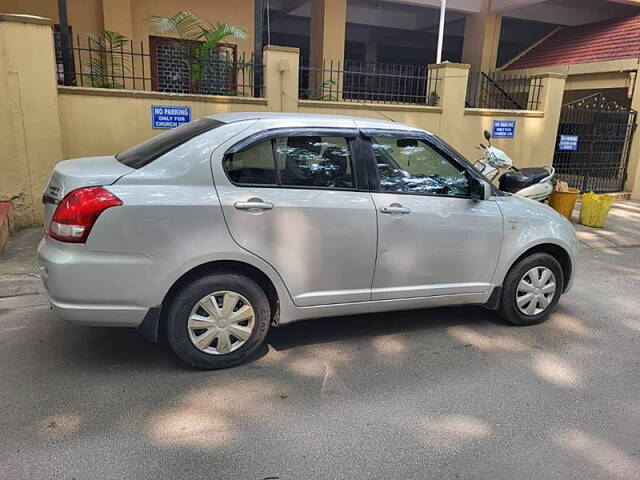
504	128
166	116
568	142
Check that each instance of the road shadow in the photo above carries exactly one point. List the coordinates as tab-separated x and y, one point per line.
98	347
331	329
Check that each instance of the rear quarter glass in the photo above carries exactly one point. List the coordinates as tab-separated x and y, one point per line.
147	152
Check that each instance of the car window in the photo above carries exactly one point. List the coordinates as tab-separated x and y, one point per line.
408	165
147	152
302	161
252	166
314	161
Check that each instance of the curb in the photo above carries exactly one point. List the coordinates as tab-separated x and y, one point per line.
18	285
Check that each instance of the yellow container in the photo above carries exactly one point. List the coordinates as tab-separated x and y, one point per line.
595	209
563	202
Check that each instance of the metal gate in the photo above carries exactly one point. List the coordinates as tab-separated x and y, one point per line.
593	143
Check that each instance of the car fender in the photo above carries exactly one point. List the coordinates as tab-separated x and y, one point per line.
527	225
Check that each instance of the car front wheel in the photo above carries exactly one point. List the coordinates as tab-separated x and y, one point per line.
531	289
218	320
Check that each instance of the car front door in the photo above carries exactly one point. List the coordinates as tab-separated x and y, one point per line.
293	200
433	239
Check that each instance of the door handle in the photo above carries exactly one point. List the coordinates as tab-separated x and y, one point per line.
253	205
395	208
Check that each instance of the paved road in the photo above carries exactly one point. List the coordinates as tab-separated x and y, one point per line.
447	393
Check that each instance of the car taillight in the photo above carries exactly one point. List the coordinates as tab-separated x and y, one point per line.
78	211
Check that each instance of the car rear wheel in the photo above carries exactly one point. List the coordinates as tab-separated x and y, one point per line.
531	290
218	321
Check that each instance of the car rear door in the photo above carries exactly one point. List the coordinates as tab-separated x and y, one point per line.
433	239
293	199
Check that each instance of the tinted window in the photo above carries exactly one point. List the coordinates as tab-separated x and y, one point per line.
147	152
413	166
322	162
252	166
310	161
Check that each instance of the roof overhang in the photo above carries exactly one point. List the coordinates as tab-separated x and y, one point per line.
619	65
592	76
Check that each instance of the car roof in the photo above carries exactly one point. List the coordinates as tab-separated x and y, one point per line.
313	120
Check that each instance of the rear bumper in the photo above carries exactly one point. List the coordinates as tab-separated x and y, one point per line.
95	288
98	315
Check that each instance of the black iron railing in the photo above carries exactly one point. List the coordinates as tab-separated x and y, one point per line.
503	91
370	83
594	143
168	66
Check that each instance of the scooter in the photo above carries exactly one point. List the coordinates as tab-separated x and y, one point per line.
535	183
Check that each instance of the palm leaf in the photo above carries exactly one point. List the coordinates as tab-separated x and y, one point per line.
184	24
115	40
216	33
109	60
99	41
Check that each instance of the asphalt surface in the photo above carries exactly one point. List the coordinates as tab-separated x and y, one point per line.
445	394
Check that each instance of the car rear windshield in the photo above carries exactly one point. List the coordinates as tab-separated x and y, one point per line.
147	152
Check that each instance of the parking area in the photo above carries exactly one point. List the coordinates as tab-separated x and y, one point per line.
443	393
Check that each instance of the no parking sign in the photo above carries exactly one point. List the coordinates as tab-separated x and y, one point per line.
167	116
568	143
504	129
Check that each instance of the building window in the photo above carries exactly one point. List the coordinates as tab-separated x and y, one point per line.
174	68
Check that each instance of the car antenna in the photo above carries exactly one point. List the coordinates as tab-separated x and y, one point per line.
377	111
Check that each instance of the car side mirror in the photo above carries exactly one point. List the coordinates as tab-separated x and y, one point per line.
479	189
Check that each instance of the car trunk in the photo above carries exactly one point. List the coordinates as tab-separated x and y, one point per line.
81	172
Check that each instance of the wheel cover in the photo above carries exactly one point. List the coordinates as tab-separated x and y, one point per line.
535	291
221	322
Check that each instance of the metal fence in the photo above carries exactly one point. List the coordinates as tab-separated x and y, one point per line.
168	66
594	143
370	83
503	91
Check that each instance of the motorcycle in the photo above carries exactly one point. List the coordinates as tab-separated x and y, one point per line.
535	183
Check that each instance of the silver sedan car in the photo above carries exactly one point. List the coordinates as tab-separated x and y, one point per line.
214	231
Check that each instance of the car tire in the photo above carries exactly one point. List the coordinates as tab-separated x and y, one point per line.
192	307
527	294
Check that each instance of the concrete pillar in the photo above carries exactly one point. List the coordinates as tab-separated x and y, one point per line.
326	45
481	39
633	167
117	16
328	25
281	78
551	104
29	125
451	88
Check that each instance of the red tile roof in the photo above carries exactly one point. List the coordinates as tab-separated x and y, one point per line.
595	42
